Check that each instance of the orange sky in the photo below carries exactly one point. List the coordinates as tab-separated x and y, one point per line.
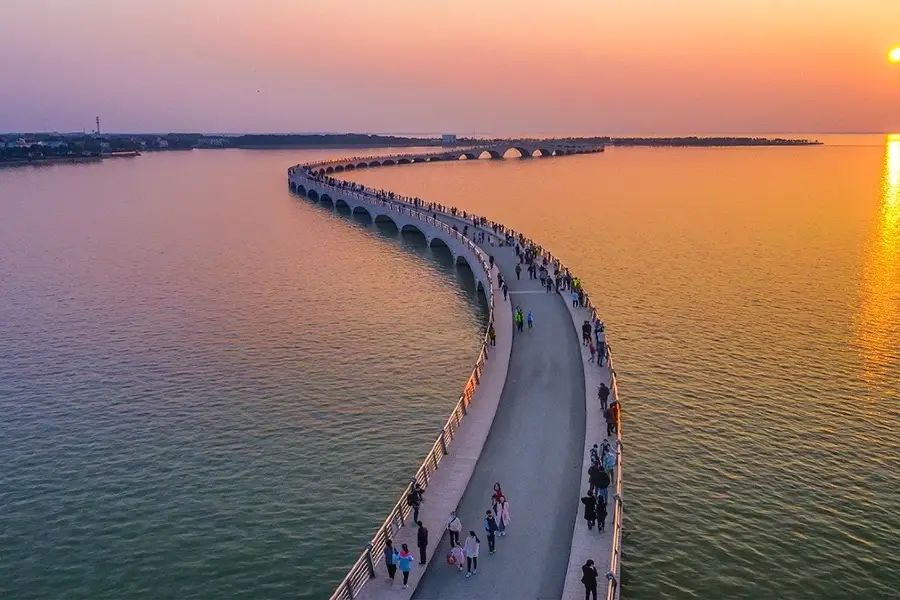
494	66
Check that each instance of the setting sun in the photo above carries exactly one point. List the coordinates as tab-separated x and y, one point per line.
894	55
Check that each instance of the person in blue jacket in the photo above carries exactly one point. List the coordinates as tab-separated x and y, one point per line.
404	561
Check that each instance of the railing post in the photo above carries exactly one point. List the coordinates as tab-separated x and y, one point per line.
369	561
465	410
444	440
349	588
434	460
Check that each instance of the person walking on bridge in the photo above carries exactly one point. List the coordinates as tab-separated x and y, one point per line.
422	541
492	335
405	560
390	559
585	334
518	271
414	499
530	319
520	319
473	544
590	509
589	577
495	497
505	289
490	530
603	396
454	526
601	343
599	482
615	413
503	516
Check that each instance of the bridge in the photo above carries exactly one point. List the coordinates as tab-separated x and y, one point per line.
522	149
527	416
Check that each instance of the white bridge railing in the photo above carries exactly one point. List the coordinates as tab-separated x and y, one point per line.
363	570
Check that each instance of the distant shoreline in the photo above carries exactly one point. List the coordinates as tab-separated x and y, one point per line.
38	162
327	141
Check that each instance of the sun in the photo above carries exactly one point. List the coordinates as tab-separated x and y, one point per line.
894	54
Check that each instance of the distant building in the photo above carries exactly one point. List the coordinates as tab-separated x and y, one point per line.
161	143
448	139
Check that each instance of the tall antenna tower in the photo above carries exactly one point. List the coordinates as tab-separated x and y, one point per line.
98	126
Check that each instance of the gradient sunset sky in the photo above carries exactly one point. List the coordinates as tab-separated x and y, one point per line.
489	66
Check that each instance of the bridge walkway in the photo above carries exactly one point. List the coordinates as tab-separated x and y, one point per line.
534	449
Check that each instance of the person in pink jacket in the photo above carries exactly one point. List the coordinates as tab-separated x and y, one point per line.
502	515
458	556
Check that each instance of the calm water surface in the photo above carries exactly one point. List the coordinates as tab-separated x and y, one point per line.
752	297
208	388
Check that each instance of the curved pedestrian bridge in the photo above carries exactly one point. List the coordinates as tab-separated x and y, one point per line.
525	419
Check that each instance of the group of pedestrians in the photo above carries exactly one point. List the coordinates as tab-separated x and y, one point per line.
496	521
521	317
595	343
462	554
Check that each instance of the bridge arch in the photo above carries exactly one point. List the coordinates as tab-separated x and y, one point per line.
341	204
385	219
543	152
413	229
403	161
522	150
388	162
313	195
492	154
375	163
301	190
329	170
325	198
437	242
339	168
434	158
363	213
349	167
362	165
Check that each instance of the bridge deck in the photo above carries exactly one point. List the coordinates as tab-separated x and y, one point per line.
534	449
536	444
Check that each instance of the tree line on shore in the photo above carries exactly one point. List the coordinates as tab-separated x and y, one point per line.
38	146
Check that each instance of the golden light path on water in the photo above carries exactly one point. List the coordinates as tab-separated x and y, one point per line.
876	334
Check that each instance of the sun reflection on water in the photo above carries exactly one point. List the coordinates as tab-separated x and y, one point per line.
879	324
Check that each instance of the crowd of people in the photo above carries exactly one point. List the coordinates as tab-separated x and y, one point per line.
495	524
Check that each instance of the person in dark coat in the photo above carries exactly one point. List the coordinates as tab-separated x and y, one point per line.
601	516
390	560
599	483
590	509
589	579
421	541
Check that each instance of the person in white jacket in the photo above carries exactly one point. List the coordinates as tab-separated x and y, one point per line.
454	526
473	544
